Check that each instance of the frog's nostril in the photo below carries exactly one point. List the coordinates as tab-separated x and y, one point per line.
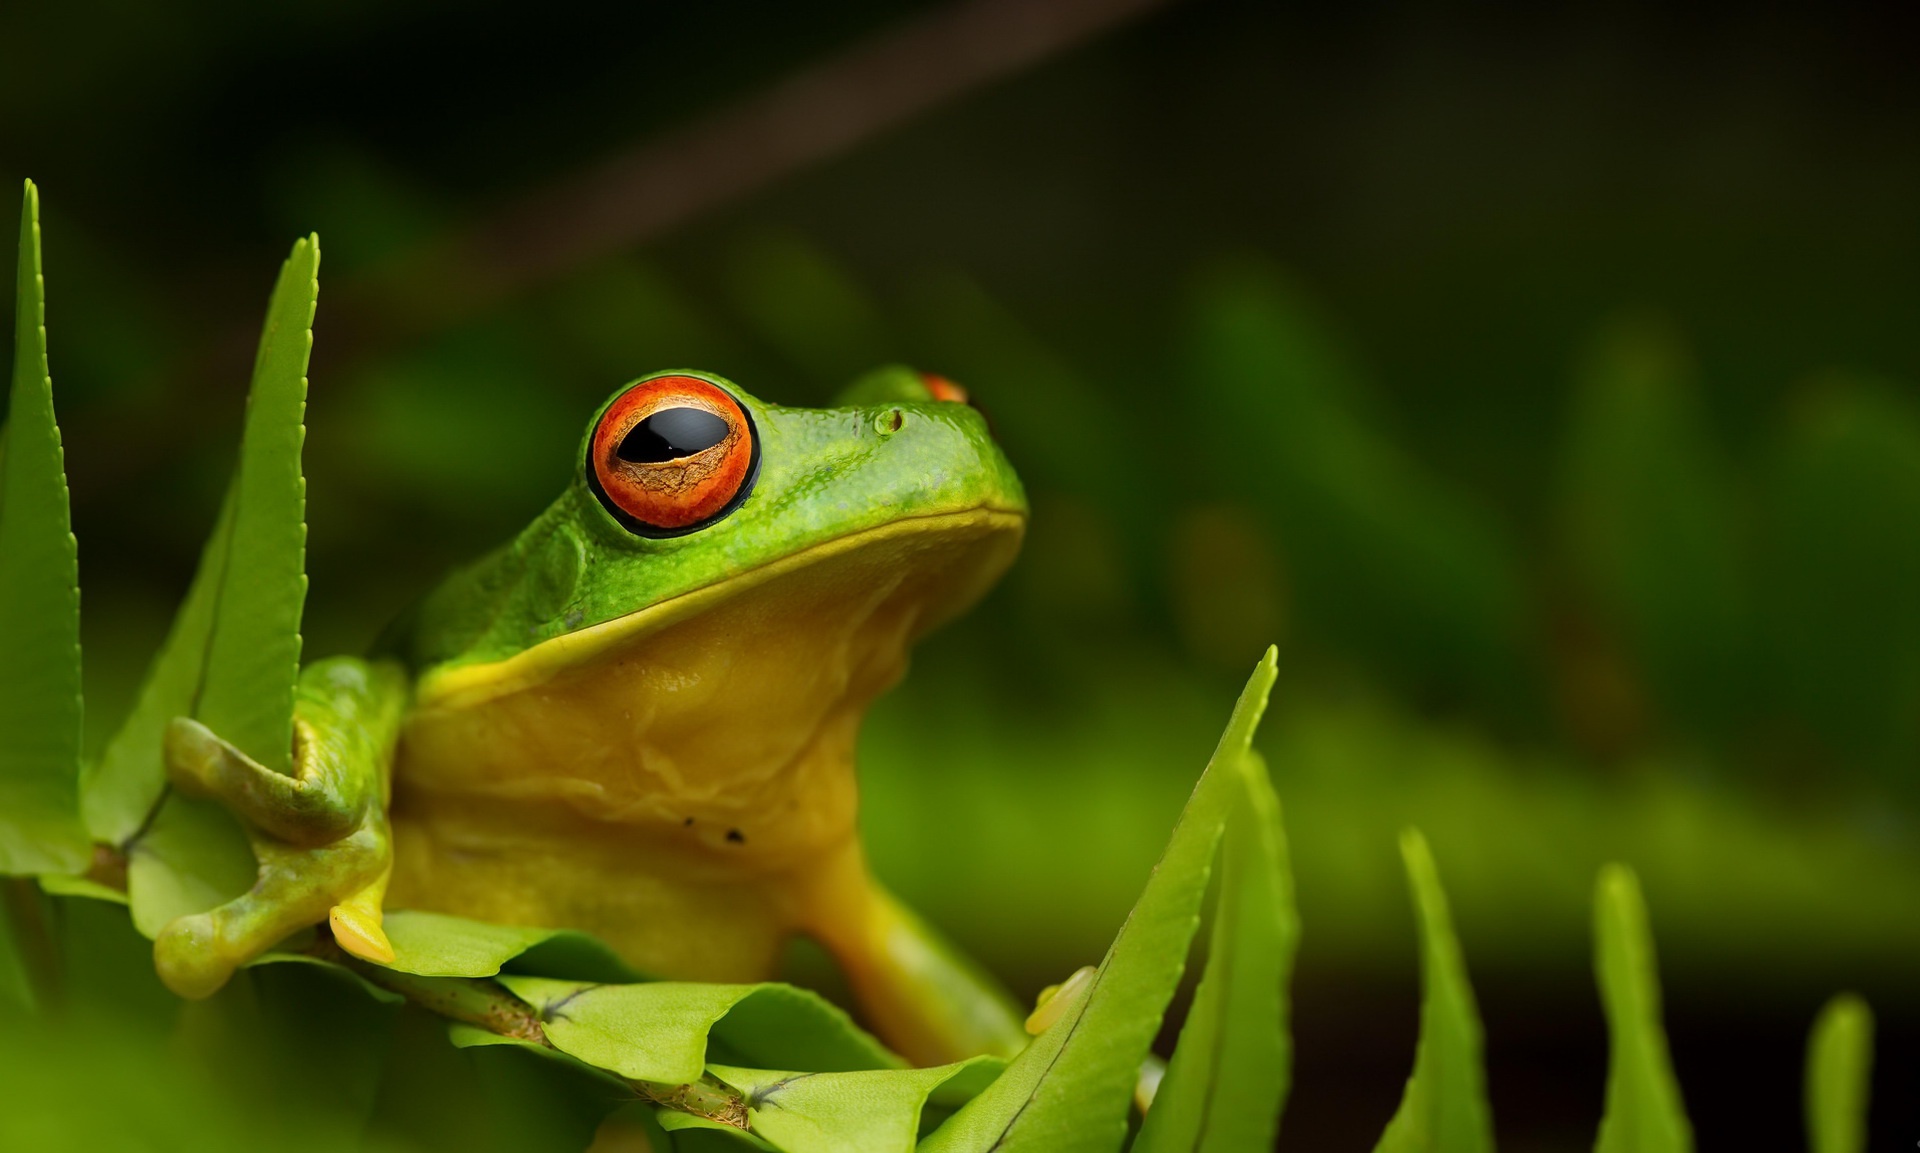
890	422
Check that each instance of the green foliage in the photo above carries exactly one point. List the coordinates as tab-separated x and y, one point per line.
1839	1067
1069	1089
232	656
659	1031
436	945
854	1112
190	858
1228	1079
1445	1106
121	789
40	829
1643	1113
253	652
304	1051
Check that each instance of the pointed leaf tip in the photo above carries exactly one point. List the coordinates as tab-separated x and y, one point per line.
40	829
1644	1113
1232	1067
1445	1104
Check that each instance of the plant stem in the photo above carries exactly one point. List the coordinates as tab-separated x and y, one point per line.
475	1001
488	1005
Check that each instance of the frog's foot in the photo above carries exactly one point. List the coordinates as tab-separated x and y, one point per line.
1054	1002
316	805
323	856
295	888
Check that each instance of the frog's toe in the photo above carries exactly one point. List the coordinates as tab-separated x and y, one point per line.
190	959
192	755
358	931
356	920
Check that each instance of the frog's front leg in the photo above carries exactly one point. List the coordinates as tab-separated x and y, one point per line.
320	833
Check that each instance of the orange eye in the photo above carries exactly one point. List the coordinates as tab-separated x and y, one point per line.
672	454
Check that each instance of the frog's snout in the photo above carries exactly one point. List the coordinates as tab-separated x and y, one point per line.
944	453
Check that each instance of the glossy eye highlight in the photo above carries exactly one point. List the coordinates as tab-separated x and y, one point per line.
672	454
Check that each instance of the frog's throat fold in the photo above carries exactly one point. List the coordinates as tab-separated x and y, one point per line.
465	686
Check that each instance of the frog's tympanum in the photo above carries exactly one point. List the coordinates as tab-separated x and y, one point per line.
638	718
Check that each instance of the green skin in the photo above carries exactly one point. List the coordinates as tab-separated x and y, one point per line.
890	456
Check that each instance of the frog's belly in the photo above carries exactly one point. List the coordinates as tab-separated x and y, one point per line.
669	908
680	797
570	818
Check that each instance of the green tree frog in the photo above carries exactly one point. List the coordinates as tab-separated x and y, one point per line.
638	718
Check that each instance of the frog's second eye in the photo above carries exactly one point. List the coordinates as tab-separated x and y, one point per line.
672	454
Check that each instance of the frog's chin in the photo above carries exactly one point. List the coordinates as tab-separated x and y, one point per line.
900	579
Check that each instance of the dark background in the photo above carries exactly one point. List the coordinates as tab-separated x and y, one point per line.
1541	379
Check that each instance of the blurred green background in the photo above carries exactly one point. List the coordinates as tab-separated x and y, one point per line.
1543	382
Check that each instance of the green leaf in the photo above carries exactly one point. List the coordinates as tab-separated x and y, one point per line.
1229	1075
658	1031
40	830
869	1111
58	885
253	656
1069	1090
191	859
1644	1113
233	655
1445	1106
1839	1068
120	790
438	945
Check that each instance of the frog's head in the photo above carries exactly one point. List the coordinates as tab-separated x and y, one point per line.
702	520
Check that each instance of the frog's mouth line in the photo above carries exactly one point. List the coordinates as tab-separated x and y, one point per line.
470	685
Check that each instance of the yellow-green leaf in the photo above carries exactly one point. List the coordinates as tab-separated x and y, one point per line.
438	945
1643	1113
40	829
1069	1090
864	1111
1444	1109
253	655
232	657
191	858
120	790
1229	1075
659	1030
1839	1065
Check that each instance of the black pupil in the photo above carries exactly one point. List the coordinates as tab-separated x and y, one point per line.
671	434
